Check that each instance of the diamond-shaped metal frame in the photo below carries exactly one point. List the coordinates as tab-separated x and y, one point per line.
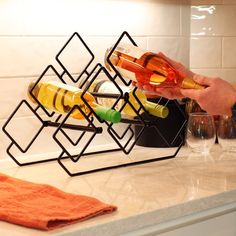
14	142
75	35
61	125
89	128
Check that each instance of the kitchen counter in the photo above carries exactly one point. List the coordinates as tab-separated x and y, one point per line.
151	198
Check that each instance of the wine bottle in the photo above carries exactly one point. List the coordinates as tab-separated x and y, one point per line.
146	67
104	86
60	97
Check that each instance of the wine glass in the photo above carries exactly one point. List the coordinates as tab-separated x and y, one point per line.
201	134
226	133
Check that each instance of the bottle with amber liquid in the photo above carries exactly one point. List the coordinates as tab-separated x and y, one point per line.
146	67
105	86
61	98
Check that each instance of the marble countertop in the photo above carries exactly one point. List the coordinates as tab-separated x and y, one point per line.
145	194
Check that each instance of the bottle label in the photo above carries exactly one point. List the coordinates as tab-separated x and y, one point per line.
110	88
63	86
130	50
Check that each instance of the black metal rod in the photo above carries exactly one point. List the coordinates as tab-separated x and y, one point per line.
114	166
136	122
74	127
106	95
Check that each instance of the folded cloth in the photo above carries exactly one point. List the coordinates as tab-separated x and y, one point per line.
43	206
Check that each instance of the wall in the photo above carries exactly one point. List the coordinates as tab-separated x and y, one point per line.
213	38
32	32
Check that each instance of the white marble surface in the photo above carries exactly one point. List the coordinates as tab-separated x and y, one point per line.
145	195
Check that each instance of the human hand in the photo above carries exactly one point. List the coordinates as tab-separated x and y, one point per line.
216	99
152	91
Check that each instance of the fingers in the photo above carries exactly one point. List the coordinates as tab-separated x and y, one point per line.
191	93
203	80
149	87
151	94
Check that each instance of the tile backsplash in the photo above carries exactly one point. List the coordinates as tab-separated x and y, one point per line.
213	38
199	34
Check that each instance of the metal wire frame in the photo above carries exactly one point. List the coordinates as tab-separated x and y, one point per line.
89	171
84	71
44	124
60	126
49	123
116	137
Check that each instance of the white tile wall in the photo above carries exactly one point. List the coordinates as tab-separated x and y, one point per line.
205	2
205	52
213	20
231	2
32	32
229	52
174	47
213	38
102	17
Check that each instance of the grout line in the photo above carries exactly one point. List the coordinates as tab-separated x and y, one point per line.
213	68
98	36
212	36
180	20
30	36
221	52
28	76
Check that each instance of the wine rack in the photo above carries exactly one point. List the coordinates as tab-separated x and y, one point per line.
61	122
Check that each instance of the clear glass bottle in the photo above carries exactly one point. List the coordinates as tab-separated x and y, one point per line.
60	97
138	65
107	87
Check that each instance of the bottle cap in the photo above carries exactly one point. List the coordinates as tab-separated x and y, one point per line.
156	109
108	114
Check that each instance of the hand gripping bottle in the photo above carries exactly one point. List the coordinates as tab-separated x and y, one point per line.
146	67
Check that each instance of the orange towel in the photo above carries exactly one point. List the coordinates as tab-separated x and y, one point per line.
45	207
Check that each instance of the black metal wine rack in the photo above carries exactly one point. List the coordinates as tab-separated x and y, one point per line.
60	122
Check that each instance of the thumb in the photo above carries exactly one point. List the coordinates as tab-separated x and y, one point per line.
191	93
203	80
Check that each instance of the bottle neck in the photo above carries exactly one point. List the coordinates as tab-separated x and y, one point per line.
156	109
107	114
189	83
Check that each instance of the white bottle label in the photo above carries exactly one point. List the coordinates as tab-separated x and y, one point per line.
63	86
110	88
130	50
